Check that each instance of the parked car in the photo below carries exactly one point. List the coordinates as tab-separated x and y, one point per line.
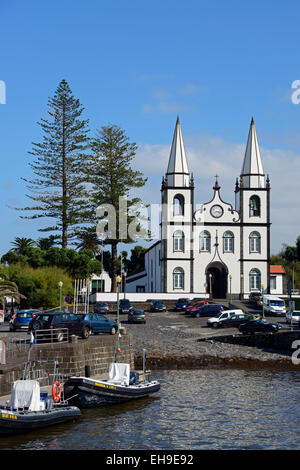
158	306
182	304
234	321
21	319
255	326
125	306
296	317
101	307
254	297
274	305
196	306
207	310
74	323
100	324
136	316
222	316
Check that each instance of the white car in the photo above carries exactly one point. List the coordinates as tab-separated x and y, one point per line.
214	321
296	317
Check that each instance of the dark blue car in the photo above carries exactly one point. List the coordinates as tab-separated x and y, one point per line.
100	324
207	310
182	304
21	319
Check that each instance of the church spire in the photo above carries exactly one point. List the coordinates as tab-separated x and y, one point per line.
252	171
178	172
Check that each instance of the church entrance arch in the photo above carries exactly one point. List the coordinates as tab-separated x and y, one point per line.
217	283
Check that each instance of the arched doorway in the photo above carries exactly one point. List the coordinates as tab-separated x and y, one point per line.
217	282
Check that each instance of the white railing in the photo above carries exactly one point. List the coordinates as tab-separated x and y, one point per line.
60	335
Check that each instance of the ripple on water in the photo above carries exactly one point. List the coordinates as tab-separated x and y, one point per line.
195	409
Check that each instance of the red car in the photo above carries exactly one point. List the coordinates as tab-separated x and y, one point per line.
196	306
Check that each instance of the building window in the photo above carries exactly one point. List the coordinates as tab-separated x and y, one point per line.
205	241
178	278
178	204
140	288
178	241
254	242
254	206
255	279
98	286
273	282
228	242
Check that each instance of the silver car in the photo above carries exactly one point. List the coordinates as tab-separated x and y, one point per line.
295	319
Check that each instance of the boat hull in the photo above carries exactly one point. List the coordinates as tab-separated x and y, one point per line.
86	393
18	422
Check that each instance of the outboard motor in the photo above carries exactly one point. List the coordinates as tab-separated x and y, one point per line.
133	378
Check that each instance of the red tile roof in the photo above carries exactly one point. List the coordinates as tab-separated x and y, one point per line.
277	269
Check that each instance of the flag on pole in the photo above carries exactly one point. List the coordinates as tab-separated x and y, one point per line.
32	338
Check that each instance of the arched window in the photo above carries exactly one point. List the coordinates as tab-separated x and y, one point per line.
254	242
254	206
228	242
205	241
255	279
178	204
178	241
178	278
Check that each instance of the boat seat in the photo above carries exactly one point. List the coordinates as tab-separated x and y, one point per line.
26	394
119	373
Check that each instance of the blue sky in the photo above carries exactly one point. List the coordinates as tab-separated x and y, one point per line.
138	64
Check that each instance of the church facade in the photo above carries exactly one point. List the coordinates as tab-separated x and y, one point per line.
213	247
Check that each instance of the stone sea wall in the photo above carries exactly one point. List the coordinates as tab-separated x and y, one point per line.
77	358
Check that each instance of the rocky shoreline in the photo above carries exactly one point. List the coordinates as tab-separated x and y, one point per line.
170	345
214	354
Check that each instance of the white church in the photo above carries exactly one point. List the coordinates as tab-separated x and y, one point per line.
212	248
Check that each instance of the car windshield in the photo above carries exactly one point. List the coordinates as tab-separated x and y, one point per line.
25	314
124	302
44	318
101	304
138	312
277	303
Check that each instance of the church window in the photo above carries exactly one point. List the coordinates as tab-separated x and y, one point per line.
254	242
205	241
178	278
178	241
178	204
254	206
255	279
228	242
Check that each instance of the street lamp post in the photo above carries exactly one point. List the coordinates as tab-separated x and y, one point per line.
262	298
230	279
124	274
242	286
210	289
118	279
60	284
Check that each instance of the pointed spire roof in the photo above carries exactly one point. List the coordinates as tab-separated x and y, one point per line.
252	171
178	172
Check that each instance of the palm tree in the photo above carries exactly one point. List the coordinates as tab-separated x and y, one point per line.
9	289
21	244
46	243
88	240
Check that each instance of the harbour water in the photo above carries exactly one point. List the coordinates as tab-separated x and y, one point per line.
194	410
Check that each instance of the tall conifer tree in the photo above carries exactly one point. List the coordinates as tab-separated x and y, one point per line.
111	177
58	187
